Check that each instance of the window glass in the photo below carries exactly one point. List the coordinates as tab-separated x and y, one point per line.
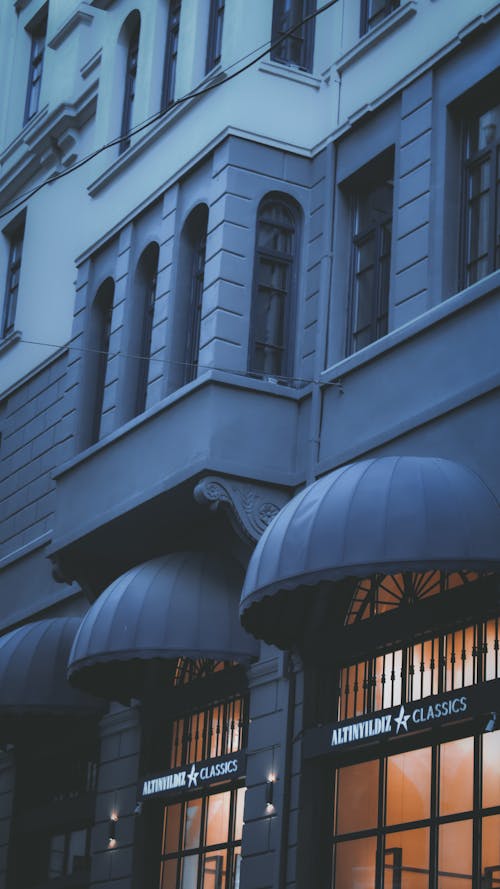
491	769
192	823
355	864
214	869
409	786
77	851
406	859
491	852
168	874
455	855
218	818
189	872
456	776
56	856
171	830
482	212
238	821
357	797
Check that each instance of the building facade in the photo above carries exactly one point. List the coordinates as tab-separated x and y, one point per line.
250	272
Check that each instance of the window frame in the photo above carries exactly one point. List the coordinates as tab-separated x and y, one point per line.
291	262
197	256
37	30
103	312
215	34
129	85
368	22
11	291
171	52
305	34
147	279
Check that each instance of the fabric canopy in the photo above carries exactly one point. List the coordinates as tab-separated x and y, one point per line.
384	515
179	605
33	682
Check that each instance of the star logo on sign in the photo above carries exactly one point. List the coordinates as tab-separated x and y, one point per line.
402	720
193	776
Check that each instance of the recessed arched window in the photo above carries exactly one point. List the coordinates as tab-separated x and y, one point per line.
171	48
142	322
131	30
195	246
102	312
271	332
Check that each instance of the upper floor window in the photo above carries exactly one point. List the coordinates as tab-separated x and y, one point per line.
371	198
196	231
482	196
133	29
374	11
271	342
37	33
102	319
12	283
147	272
168	92
215	26
297	48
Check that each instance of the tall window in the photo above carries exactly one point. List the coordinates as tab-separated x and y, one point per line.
37	34
168	92
196	237
215	26
102	319
270	348
297	48
12	283
482	196
438	824
371	256
147	272
130	81
374	11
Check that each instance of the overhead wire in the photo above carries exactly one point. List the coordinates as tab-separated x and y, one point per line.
220	78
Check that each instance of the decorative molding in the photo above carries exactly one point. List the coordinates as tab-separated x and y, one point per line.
10	340
91	64
251	506
78	17
379	32
289	72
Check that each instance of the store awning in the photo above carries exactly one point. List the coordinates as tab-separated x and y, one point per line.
385	515
33	683
179	605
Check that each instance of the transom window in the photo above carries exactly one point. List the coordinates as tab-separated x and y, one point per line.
206	733
421	818
482	190
272	314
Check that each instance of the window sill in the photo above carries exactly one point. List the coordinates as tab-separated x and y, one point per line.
9	340
289	72
406	11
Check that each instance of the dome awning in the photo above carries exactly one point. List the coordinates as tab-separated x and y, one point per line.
33	683
385	515
179	605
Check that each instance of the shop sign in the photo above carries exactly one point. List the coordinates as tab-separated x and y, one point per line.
194	776
399	721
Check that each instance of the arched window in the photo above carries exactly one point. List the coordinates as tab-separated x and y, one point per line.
102	312
131	29
271	346
196	240
168	91
142	322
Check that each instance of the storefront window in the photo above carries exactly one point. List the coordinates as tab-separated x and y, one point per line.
420	818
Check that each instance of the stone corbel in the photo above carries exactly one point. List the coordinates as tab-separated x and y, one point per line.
249	505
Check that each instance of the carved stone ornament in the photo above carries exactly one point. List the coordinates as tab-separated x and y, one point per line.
250	506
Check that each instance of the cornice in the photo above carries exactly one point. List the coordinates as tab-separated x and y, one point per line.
79	17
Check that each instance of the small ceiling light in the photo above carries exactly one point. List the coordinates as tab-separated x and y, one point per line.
490	725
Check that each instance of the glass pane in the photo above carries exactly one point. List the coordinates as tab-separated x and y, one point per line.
491	769
214	870
189	872
357	797
168	874
406	859
409	786
270	318
171	828
236	869
490	862
192	823
456	776
273	273
355	864
77	857
56	856
489	127
455	855
238	820
218	818
271	237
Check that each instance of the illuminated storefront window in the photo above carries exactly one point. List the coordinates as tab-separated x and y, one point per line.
420	818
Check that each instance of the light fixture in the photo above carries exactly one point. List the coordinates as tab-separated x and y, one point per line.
491	723
270	791
138	808
112	830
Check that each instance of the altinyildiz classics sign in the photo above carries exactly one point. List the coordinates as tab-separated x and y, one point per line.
194	776
403	720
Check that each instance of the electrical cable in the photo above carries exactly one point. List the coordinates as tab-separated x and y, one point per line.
220	78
